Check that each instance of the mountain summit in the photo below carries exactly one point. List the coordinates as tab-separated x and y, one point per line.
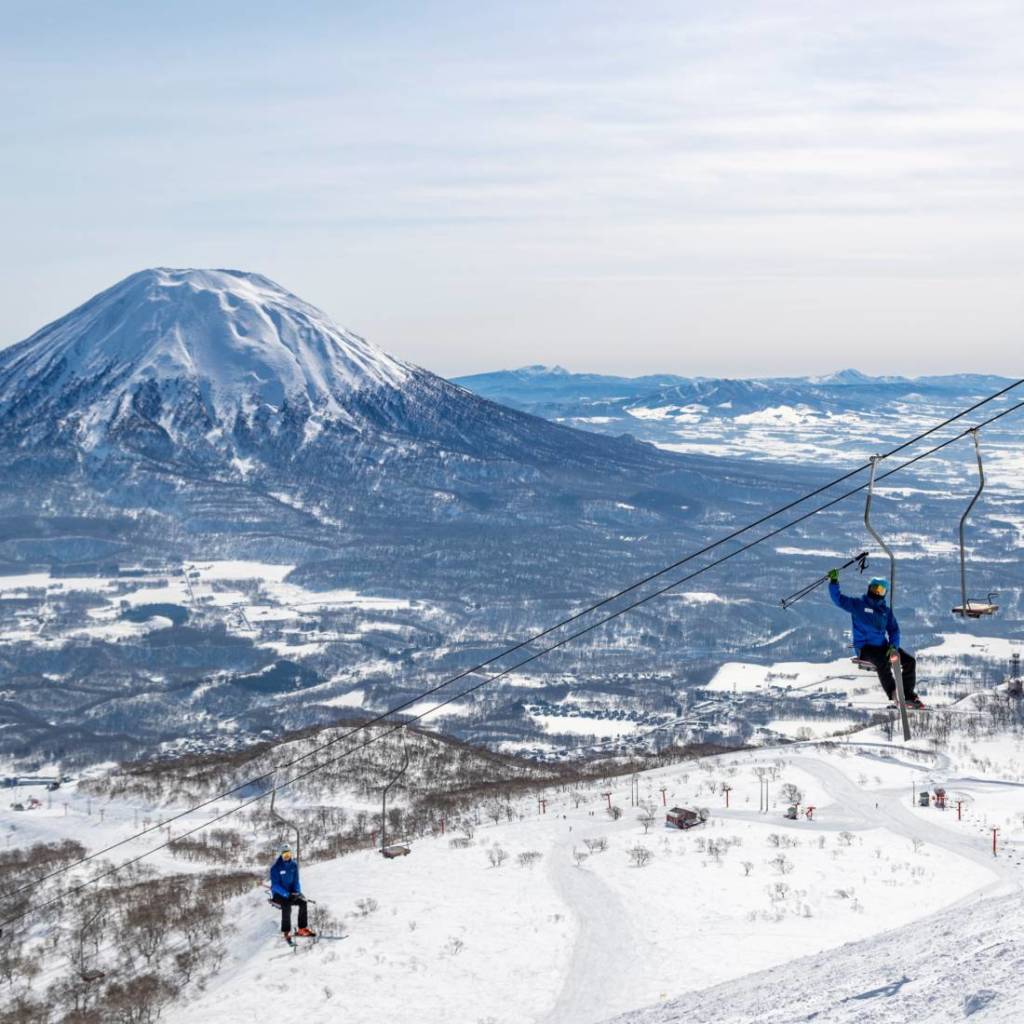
229	341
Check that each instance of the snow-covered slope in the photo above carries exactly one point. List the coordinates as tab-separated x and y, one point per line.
873	910
960	964
839	919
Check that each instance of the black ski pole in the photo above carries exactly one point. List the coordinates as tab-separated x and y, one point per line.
861	561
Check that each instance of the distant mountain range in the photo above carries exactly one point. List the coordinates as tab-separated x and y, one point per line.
836	418
567	397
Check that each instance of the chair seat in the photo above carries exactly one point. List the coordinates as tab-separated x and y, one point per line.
976	609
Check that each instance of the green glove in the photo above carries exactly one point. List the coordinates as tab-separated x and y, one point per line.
833	575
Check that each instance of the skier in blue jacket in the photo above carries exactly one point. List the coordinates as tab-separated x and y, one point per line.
286	893
876	635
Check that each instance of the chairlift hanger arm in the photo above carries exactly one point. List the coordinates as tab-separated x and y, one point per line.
968	608
896	666
288	824
874	533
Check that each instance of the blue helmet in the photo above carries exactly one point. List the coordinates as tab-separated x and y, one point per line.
879	582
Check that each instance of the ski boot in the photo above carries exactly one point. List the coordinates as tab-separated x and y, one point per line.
305	933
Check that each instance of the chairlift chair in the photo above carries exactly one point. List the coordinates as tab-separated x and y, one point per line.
392	850
973	608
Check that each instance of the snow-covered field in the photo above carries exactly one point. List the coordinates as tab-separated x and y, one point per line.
584	933
255	592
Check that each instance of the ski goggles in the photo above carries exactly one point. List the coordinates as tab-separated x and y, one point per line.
878	588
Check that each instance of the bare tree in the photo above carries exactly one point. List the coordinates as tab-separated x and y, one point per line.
717	849
640	856
791	793
139	1000
646	818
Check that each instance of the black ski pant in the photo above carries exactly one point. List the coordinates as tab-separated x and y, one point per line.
286	903
878	656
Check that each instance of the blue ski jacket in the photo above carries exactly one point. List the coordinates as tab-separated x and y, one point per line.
284	878
873	620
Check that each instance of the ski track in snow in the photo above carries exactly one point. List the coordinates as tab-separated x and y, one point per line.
607	946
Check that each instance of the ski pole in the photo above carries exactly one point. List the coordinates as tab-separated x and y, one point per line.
861	561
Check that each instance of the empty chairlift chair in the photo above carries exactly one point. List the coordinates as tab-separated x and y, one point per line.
392	850
972	608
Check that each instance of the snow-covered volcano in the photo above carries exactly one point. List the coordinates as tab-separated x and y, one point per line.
227	341
175	381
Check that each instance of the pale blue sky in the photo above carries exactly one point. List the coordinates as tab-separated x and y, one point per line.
727	188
